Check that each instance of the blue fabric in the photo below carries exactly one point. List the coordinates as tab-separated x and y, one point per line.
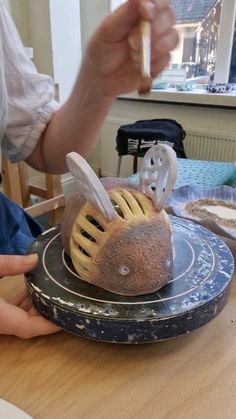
17	228
202	173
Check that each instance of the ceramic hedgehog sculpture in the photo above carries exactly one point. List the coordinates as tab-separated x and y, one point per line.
118	235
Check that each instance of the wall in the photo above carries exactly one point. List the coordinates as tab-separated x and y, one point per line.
19	12
40	35
92	13
52	29
66	43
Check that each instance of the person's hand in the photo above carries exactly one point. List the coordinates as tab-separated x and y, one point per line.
19	317
113	54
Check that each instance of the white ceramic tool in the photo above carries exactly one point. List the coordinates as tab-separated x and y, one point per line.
90	185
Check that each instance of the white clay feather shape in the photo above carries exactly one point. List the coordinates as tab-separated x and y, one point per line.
90	185
158	174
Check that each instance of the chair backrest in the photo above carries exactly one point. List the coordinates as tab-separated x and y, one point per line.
141	135
17	186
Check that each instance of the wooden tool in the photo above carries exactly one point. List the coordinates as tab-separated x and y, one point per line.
146	79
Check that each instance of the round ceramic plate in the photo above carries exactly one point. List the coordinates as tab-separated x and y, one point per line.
203	271
181	197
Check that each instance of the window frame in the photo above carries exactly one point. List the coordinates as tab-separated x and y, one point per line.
226	35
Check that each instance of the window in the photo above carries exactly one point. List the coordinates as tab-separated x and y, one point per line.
232	74
207	47
198	25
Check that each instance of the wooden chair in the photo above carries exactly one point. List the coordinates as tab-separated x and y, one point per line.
17	186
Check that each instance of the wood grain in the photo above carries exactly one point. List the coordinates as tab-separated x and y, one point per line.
65	377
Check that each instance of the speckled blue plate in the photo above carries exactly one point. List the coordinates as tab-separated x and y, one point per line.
203	271
181	197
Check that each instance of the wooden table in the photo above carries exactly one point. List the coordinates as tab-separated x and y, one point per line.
65	377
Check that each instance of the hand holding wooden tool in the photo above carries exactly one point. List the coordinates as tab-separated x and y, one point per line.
146	79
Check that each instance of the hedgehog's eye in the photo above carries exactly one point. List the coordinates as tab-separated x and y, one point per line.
124	270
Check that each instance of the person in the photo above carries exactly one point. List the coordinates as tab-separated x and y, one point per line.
34	128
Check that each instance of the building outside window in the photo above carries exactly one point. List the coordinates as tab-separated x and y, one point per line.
198	25
207	32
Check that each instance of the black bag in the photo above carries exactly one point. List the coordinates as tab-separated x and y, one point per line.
138	137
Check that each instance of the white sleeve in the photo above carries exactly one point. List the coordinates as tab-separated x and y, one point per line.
30	95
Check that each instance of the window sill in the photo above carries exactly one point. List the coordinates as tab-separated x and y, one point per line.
195	98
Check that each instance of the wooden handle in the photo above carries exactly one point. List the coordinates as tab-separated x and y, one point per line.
146	79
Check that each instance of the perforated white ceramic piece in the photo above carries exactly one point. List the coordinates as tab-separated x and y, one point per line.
158	174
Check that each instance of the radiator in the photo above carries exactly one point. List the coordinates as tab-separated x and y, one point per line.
198	144
210	145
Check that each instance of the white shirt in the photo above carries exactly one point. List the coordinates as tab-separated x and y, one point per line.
26	97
